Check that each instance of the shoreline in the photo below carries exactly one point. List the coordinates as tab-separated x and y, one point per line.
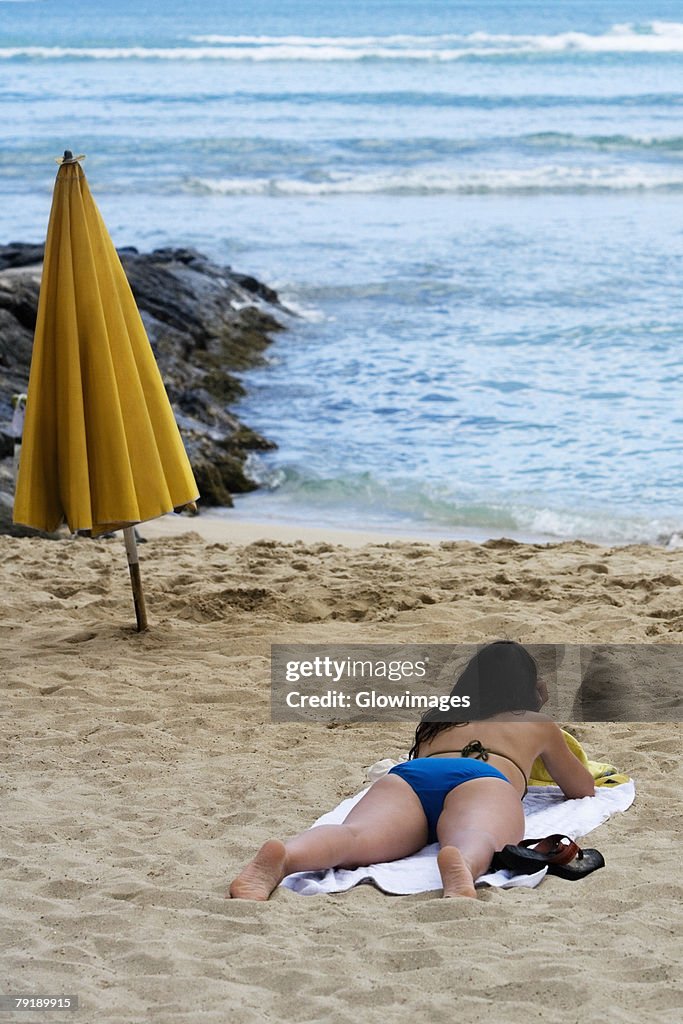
215	526
228	526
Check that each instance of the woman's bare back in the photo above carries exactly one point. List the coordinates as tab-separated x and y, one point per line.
514	741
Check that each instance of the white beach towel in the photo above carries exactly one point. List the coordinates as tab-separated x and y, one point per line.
546	810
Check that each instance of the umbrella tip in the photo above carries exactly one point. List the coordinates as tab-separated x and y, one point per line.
69	158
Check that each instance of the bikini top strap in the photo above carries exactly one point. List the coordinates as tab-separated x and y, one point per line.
474	749
477	750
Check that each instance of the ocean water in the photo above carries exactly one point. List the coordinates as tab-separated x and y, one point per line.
475	209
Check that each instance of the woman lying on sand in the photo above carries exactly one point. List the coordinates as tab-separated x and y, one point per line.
462	785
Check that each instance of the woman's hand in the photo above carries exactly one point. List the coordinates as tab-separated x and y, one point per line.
542	691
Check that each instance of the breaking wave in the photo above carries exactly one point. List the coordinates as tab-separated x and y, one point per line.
655	37
361	501
548	179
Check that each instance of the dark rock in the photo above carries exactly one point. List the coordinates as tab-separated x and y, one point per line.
18	304
6	443
256	287
20	254
204	322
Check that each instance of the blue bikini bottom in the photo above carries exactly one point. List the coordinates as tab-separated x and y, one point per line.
432	779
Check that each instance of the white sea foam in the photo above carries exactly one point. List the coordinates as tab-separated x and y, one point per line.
362	499
595	525
310	314
262	53
395	40
654	37
547	178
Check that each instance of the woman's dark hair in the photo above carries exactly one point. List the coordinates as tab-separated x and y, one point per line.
500	677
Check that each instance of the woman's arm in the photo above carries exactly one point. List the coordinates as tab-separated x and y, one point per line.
572	777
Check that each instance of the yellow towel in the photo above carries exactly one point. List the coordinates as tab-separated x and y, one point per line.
603	773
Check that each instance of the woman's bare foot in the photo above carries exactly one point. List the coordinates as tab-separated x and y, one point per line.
263	874
456	876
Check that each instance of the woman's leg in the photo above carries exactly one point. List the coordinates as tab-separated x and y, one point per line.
478	818
386	824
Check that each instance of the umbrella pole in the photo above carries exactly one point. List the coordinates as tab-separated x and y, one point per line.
135	580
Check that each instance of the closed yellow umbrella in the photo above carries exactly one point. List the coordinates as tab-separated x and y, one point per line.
101	449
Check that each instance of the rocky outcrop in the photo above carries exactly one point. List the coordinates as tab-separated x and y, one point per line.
206	323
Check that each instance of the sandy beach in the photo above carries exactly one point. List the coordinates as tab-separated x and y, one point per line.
142	771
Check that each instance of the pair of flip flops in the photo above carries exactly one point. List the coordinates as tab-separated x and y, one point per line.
558	853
